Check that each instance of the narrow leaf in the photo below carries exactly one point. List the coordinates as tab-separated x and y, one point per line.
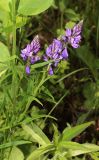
70	133
36	134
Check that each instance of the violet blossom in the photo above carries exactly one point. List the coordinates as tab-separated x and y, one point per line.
73	36
55	52
30	53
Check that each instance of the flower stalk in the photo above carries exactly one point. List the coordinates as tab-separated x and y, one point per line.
14	26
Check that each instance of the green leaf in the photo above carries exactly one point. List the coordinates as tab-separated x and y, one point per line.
13	143
42	64
5	5
56	135
33	7
4	55
71	14
36	134
70	133
35	155
71	145
16	154
95	155
2	72
71	73
88	149
47	92
3	15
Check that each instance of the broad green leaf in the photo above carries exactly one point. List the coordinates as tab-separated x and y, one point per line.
5	5
3	15
70	133
36	134
16	154
35	155
33	7
4	55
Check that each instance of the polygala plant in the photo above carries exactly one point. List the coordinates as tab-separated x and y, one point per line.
27	78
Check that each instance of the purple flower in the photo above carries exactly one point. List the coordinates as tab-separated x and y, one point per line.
31	49
73	36
30	53
56	52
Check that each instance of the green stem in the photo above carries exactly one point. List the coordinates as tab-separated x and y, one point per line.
62	20
14	26
40	84
14	52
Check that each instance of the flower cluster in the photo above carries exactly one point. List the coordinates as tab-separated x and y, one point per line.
73	36
30	53
57	51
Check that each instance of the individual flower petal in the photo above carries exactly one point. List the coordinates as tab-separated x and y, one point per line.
49	51
27	69
50	71
75	45
56	46
24	57
56	64
68	32
65	53
34	59
45	58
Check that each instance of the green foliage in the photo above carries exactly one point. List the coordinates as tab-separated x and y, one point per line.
70	133
62	147
88	58
33	7
4	57
16	152
29	104
91	93
36	134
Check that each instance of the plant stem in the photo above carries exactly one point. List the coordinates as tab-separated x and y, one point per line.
62	20
40	84
14	83
14	26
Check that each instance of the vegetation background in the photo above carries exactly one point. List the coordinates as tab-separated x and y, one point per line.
45	117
